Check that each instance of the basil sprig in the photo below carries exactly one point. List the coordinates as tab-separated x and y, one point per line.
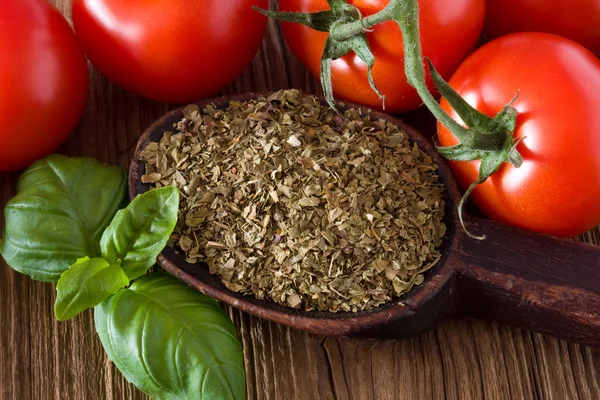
64	226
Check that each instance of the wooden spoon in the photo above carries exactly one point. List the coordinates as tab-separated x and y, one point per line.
514	276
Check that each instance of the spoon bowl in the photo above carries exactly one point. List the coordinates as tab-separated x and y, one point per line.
514	276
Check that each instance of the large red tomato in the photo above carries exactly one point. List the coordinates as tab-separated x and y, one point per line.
578	20
170	50
557	189
43	81
449	31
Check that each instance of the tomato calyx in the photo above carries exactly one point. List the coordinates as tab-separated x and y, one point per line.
492	141
339	42
484	138
320	21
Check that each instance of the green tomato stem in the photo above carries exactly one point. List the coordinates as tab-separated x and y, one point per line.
406	15
345	31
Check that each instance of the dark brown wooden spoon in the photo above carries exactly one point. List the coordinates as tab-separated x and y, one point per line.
516	277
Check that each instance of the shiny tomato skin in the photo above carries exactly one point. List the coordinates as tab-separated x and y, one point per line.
578	20
43	81
449	32
174	51
557	189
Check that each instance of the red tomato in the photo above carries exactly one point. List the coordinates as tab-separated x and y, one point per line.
557	189
448	32
578	20
43	81
170	50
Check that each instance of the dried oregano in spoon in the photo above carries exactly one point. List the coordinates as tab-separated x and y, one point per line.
288	201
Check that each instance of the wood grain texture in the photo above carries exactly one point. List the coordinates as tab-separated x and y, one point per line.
461	359
531	281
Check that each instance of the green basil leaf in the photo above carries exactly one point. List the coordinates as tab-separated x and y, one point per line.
140	232
86	284
172	341
61	208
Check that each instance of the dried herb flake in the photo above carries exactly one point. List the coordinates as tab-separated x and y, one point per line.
288	201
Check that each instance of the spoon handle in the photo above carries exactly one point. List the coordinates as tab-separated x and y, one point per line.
532	281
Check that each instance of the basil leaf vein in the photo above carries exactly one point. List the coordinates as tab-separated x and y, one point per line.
61	208
171	341
140	232
86	284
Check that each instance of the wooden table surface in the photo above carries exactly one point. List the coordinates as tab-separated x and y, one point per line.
463	358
